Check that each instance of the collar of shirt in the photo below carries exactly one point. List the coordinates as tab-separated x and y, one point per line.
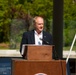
37	38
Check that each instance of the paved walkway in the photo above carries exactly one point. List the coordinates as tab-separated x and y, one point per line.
10	53
16	53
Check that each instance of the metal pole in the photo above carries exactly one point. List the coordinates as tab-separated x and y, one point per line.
58	26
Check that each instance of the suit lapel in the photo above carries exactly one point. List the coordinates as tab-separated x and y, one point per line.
32	37
44	37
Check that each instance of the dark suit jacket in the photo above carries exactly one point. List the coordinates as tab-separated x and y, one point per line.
28	38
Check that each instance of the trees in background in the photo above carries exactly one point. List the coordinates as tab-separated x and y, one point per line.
22	10
16	17
69	21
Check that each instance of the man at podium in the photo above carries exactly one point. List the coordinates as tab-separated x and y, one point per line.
42	63
37	36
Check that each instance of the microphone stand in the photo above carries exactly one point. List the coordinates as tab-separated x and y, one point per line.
44	41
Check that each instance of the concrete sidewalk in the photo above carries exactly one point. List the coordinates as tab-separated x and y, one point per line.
72	55
16	53
10	53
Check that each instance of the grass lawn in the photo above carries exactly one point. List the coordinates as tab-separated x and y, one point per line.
68	48
4	46
8	46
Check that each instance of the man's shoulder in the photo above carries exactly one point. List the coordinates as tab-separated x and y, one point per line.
45	32
28	32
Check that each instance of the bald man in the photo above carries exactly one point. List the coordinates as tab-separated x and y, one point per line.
36	36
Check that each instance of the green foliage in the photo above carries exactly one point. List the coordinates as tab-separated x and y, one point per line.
69	32
70	21
22	9
16	17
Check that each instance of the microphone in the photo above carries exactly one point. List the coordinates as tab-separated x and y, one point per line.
45	41
55	54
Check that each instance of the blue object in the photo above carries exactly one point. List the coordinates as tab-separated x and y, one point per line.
5	66
68	69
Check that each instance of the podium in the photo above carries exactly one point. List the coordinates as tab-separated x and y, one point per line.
41	52
42	65
27	67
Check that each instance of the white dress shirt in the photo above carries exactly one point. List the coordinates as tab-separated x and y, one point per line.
37	38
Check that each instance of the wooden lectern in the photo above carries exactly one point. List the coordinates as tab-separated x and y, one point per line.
29	67
41	52
39	62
